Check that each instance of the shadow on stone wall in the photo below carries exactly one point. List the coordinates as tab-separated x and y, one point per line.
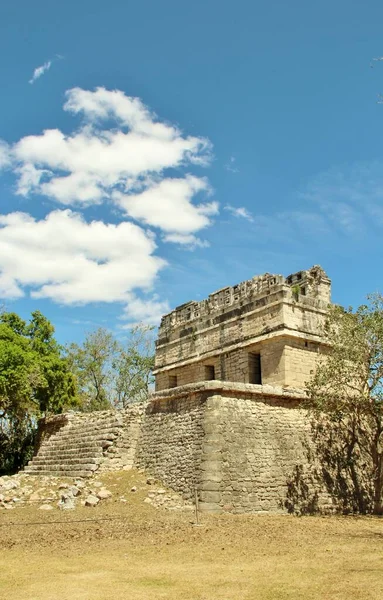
337	476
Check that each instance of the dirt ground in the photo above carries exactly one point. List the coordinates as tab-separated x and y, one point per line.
133	551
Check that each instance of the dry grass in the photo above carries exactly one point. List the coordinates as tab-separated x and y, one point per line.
145	554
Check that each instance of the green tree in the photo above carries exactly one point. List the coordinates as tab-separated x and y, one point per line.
347	388
93	365
134	366
112	374
34	380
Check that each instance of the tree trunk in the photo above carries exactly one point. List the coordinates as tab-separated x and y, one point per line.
378	482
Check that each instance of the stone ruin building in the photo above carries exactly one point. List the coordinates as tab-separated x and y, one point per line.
265	331
225	417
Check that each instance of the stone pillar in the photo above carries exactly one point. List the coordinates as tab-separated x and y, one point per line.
211	459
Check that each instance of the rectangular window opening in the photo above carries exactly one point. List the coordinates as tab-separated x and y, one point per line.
209	372
172	381
255	374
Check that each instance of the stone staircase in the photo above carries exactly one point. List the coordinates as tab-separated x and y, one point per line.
78	444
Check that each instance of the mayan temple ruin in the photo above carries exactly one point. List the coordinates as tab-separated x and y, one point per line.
262	331
225	418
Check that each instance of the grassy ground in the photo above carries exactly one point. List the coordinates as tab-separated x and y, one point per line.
132	551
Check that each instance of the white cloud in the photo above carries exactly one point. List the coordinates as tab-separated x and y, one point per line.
39	71
241	211
70	261
105	158
29	178
147	311
167	205
186	239
122	153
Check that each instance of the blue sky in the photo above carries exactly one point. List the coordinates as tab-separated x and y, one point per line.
187	146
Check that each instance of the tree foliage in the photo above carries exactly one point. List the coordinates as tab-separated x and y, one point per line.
34	380
348	389
111	373
92	364
134	367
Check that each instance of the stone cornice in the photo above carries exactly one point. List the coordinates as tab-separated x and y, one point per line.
226	388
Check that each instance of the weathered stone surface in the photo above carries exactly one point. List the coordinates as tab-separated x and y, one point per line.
80	444
226	422
91	501
46	507
171	442
35	497
67	501
270	316
104	494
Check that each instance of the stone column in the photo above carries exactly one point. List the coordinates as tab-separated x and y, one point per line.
210	484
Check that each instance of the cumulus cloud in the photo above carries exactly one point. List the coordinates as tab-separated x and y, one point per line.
140	310
122	156
167	205
85	166
70	261
241	211
39	71
121	153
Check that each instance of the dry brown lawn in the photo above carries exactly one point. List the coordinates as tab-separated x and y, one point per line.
143	554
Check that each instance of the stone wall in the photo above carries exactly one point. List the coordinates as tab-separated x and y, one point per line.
266	311
171	440
256	447
244	447
285	360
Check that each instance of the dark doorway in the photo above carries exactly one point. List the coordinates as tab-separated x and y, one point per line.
255	374
209	372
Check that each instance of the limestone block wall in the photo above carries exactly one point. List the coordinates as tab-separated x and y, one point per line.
285	361
220	330
171	440
241	445
300	361
256	446
244	447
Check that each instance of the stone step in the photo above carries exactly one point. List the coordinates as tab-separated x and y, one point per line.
79	446
73	449
94	423
83	437
75	443
68	461
62	467
59	473
74	452
88	431
91	427
66	466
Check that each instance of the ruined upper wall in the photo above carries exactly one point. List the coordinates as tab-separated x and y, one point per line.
312	284
243	314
